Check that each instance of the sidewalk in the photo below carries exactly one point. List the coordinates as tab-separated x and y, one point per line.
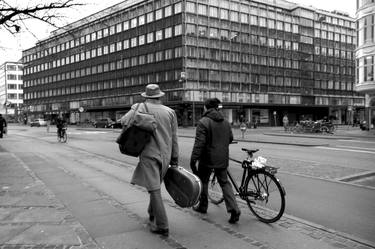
65	206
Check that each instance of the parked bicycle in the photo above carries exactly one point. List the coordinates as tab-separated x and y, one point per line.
262	191
62	137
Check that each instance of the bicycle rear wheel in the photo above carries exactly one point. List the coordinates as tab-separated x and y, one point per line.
215	194
265	196
64	137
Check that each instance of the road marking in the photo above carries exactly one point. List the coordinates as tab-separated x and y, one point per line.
341	149
357	141
88	132
353	147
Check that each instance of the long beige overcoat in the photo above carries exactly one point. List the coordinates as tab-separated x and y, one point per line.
158	153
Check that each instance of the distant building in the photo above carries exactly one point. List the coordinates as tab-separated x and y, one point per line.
261	58
365	56
11	84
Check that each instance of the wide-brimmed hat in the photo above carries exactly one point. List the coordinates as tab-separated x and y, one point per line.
152	92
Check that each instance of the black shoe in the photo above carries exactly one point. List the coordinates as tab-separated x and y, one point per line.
161	231
200	210
234	217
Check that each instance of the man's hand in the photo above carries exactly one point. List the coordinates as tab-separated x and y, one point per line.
193	167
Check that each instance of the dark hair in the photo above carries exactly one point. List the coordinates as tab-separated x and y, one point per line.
212	103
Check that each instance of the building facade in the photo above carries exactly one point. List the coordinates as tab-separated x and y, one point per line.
263	59
365	56
11	88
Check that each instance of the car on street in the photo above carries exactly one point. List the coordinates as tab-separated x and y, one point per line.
104	123
116	124
38	122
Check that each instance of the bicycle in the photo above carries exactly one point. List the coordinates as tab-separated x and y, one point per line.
63	136
262	191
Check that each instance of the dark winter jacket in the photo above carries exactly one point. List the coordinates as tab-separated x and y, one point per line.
3	122
213	136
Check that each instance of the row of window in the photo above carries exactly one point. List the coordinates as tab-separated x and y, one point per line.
105	85
117	28
107	49
237	13
14	68
15	96
14	76
15	86
106	67
260	19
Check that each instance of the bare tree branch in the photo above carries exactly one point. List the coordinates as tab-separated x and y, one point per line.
11	17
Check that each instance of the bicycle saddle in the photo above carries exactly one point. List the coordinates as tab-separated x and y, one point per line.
250	151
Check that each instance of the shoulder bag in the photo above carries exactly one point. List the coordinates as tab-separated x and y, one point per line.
137	133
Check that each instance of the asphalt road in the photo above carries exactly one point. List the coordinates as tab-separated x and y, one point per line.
311	175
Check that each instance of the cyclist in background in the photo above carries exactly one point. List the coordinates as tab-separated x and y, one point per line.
60	124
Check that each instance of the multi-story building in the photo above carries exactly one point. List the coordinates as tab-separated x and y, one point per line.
365	56
261	58
11	92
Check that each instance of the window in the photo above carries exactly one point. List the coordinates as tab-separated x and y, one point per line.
112	30
168	54
150	17
105	50
177	7
168	11
133	42
150	37
99	51
178	30
244	18
126	44
158	14
214	12
119	46
159	56
224	14
159	35
141	40
168	32
133	23
125	25
202	9
141	20
190	7
118	27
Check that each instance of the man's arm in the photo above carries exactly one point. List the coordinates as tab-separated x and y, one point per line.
199	143
174	156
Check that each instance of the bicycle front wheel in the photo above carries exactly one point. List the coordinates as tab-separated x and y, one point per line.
215	194
265	196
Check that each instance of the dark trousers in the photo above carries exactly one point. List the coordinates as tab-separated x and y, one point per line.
157	210
222	177
1	132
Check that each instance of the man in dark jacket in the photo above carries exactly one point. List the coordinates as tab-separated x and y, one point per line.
3	124
211	149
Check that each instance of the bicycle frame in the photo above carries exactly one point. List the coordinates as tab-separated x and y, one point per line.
247	171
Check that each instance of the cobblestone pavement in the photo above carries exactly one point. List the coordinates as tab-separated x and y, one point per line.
31	215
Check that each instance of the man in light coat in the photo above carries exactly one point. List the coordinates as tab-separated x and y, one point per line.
158	154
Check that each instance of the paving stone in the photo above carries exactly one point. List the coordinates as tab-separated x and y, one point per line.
47	234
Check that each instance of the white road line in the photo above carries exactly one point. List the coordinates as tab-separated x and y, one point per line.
332	148
353	147
356	141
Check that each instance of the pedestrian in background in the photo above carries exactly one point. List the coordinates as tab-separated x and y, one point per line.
211	151
3	126
156	157
285	122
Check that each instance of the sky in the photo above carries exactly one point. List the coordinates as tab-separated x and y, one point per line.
11	46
